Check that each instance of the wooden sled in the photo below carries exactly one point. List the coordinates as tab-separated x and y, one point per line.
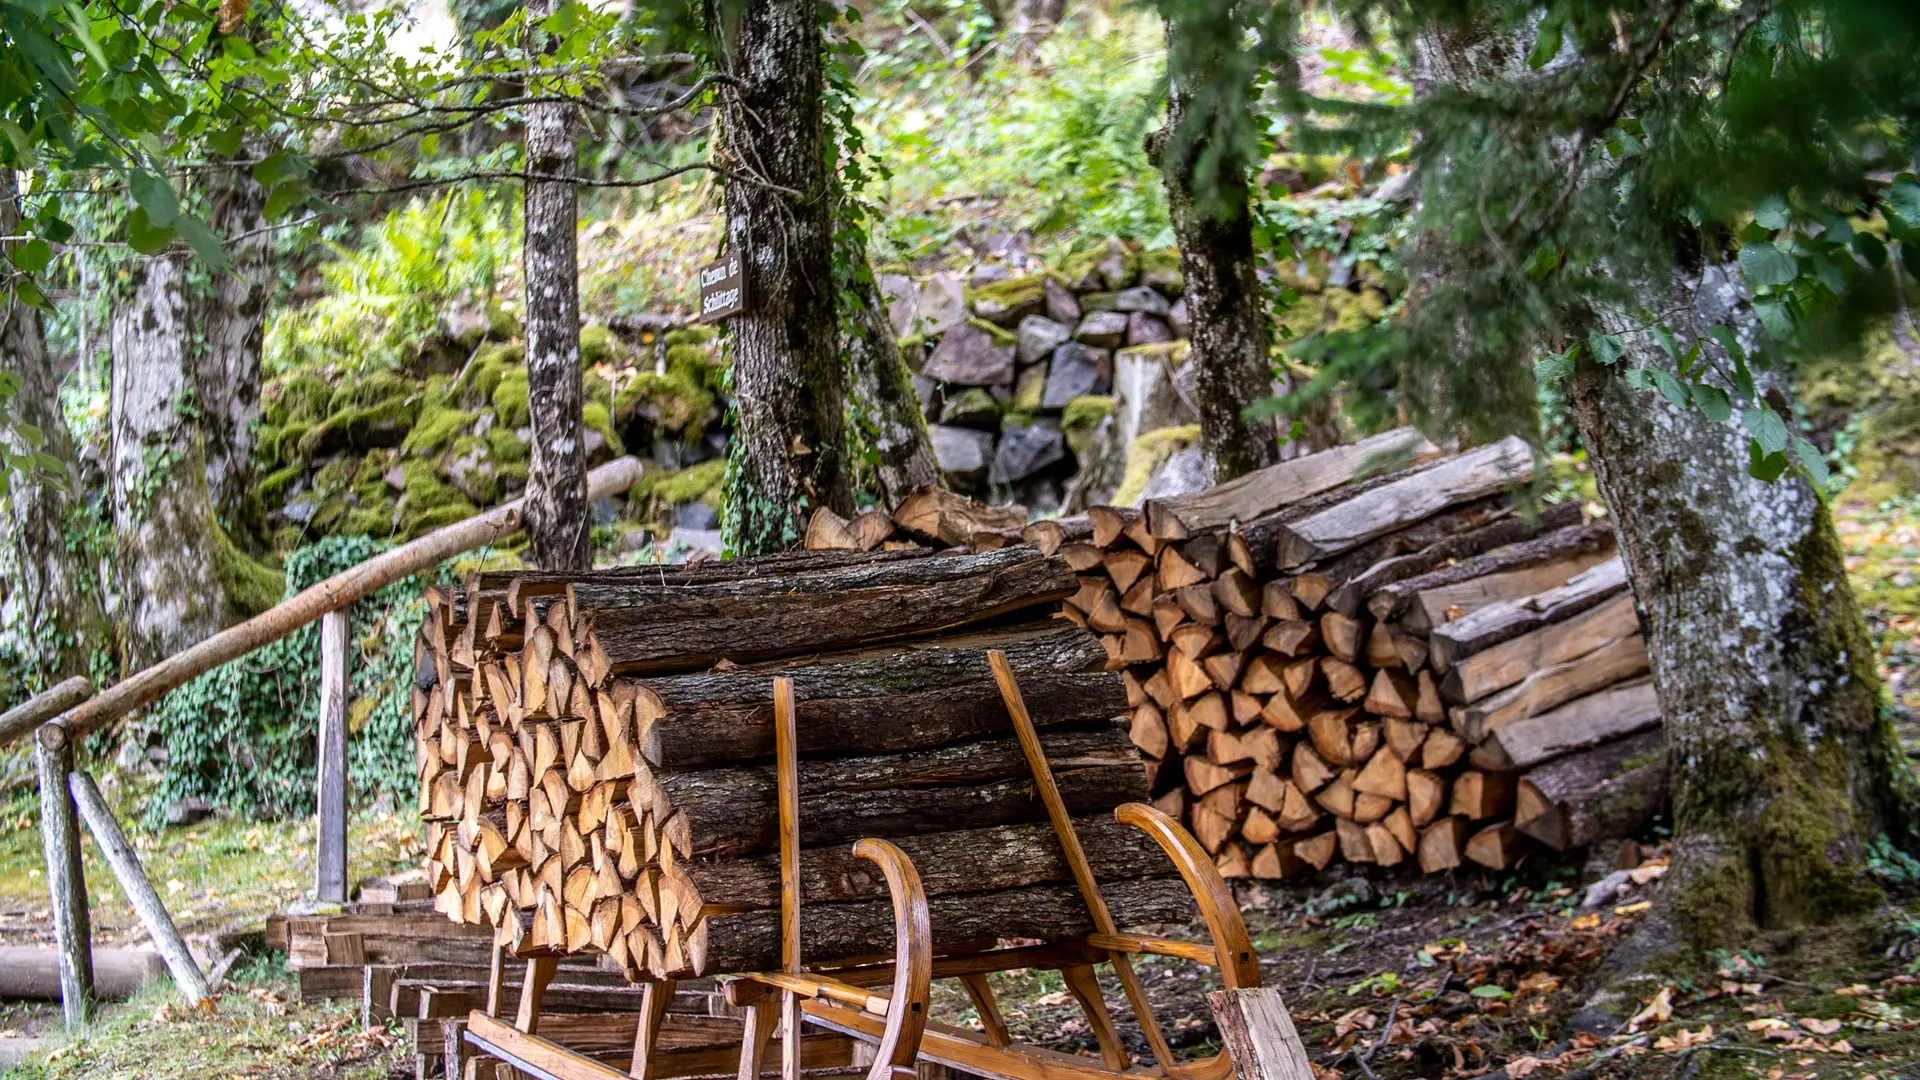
885	1005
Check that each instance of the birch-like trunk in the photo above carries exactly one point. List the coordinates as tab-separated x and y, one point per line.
789	441
556	508
231	317
51	610
1783	766
882	400
1233	368
169	551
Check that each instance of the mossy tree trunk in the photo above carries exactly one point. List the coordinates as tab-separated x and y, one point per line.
885	410
1208	196
51	609
788	443
556	507
173	565
231	312
1784	766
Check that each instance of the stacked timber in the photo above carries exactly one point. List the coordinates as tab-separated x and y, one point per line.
1376	653
596	755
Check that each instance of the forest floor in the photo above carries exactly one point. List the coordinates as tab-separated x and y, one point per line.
1388	976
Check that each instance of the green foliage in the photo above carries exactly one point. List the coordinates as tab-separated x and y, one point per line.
382	299
243	735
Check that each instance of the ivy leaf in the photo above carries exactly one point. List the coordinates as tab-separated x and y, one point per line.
1763	264
32	256
1547	45
1554	368
1713	402
1488	990
1812	460
1606	348
1763	466
144	235
155	196
1769	431
1640	379
1672	389
1772	213
1903	198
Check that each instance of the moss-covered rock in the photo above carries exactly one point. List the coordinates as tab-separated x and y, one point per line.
1085	413
303	397
428	501
1007	302
251	586
476	386
375	411
506	447
1869	392
598	345
1147	454
681	402
439	422
657	493
1161	269
503	320
597	418
511	405
690	335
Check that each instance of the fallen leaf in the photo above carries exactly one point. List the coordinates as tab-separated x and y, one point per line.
1684	1039
1360	1019
1767	1023
1659	1010
1651	870
1519	1067
1585	922
1856	990
1841	1047
1634	908
1820	1027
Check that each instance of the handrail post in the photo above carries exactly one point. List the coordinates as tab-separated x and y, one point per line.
330	874
66	884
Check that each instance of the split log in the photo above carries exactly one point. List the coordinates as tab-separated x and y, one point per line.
1265	490
1508	619
1588	721
1562	539
1600	794
939	515
1473	475
1552	686
1509	662
1360	592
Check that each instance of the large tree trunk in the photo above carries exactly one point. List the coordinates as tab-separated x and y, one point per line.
1215	231
886	410
173	563
231	314
789	433
557	523
51	614
1783	765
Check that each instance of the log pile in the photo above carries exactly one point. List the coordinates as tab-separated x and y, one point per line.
596	755
1369	653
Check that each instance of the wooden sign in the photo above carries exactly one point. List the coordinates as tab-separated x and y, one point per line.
723	290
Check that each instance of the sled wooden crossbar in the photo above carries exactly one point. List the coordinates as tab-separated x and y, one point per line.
72	709
848	999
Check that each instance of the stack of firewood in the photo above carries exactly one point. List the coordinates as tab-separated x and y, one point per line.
1375	653
596	755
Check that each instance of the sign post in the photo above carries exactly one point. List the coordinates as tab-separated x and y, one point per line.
723	290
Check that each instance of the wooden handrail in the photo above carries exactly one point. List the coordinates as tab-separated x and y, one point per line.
43	707
311	603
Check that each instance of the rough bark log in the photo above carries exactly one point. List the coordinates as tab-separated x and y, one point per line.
33	971
1508	662
916	698
51	616
643	628
751	941
1602	794
789	435
1551	686
1359	592
970	860
556	497
730	811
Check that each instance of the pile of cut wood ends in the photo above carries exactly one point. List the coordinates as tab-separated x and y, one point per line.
596	756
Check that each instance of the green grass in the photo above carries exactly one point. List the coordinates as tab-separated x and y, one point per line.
257	1028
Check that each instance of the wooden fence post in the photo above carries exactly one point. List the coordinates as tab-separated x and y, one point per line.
187	976
330	875
66	885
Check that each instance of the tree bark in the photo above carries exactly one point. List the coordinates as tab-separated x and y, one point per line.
172	557
557	522
1215	231
886	408
789	431
232	315
51	613
1784	765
